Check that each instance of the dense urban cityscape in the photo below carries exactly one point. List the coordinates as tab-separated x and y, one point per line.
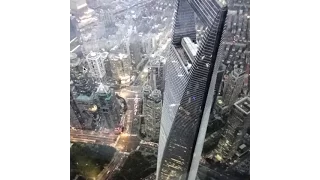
160	90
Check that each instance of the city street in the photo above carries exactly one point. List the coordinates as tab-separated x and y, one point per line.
133	97
85	136
128	143
116	162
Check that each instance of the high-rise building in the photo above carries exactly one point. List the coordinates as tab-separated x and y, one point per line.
135	48
151	111
126	64
220	107
79	75
235	129
82	87
156	74
78	7
96	65
233	86
120	67
116	66
149	43
108	106
188	94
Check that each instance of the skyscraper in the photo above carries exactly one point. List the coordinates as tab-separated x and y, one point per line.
135	48
152	113
188	94
96	65
81	86
233	86
78	7
156	74
120	67
82	83
108	106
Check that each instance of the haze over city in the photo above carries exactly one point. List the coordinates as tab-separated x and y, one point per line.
160	90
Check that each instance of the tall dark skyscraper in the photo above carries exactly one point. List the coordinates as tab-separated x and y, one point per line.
189	91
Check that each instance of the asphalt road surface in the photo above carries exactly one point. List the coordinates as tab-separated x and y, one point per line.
128	143
85	136
116	163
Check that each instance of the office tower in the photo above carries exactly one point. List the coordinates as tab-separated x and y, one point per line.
189	92
220	107
81	81
82	85
109	18
135	48
233	86
116	66
149	43
78	7
151	111
108	106
120	67
156	74
235	130
96	65
126	65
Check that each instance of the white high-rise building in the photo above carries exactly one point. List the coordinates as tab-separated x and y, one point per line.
78	7
96	65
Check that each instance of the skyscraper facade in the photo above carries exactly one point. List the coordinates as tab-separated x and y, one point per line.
78	7
151	111
108	106
135	48
188	94
82	85
233	86
81	81
120	67
96	65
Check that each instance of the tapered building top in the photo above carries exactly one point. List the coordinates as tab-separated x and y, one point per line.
185	113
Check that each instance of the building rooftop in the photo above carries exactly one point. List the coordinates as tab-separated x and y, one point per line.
93	55
104	55
84	98
243	105
238	72
103	89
